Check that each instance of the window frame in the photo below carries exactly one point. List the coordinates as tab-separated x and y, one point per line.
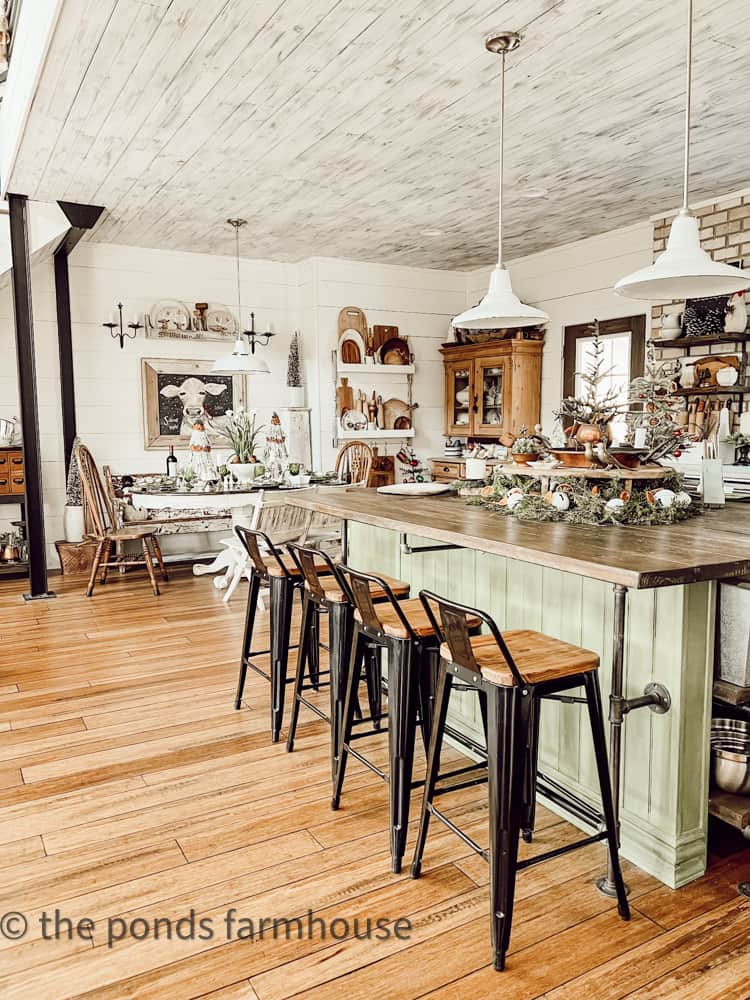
635	325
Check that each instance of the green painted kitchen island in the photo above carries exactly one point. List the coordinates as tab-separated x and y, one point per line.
649	592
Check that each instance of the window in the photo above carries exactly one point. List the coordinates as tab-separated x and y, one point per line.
624	344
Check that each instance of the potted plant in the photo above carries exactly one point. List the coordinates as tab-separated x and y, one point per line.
73	512
525	448
293	374
242	432
586	418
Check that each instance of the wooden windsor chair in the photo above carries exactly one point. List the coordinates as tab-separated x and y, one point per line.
101	525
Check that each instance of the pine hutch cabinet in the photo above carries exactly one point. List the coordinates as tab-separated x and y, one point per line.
492	388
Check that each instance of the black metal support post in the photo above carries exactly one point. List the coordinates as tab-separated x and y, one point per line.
24	320
656	697
65	348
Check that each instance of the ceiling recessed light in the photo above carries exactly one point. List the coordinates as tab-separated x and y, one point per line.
532	193
432	232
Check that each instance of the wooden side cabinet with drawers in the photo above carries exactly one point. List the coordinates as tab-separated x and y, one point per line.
11	473
492	388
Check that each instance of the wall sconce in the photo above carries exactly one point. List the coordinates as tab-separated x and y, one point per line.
117	330
254	338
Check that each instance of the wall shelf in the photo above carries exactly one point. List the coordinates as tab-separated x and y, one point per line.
731	390
368	370
723	338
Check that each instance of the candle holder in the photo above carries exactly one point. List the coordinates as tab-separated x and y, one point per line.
119	331
253	338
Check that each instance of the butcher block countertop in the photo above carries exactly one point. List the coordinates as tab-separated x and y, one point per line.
712	546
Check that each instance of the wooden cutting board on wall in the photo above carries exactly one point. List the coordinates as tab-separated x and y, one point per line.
382	334
353	318
344	397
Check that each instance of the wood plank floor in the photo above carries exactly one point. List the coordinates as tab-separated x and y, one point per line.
135	798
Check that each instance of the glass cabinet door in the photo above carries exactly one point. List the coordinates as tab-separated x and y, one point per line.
491	386
459	394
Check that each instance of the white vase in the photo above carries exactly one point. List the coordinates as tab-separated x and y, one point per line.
296	395
244	471
73	524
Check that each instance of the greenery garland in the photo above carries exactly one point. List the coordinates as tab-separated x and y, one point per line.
588	501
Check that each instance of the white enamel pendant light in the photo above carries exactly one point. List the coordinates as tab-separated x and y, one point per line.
241	361
500	309
684	270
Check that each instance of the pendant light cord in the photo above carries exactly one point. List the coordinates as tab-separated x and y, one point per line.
688	104
500	165
237	255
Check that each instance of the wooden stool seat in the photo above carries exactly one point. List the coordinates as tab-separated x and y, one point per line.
336	595
538	657
414	613
292	569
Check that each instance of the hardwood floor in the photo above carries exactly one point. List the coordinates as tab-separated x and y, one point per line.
132	792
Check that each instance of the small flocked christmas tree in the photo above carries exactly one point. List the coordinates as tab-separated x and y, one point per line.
73	485
293	374
657	409
595	405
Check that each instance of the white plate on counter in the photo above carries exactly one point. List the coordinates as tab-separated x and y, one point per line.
415	489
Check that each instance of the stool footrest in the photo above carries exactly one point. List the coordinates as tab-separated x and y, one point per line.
566	849
314	709
479	779
563	797
368	763
458	832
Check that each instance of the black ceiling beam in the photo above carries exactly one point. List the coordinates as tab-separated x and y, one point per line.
81	218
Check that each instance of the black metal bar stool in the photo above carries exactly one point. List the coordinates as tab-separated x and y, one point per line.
515	670
272	568
404	630
330	595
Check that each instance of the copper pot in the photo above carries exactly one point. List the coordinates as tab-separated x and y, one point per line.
9	553
588	434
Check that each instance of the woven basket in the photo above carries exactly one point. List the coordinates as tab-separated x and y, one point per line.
76	557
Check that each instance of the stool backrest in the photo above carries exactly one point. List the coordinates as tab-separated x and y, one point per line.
359	586
454	630
252	541
308	559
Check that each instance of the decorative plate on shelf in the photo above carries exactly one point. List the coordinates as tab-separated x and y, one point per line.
352	348
170	316
353	420
415	489
220	319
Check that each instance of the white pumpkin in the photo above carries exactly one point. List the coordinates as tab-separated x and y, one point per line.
614	504
664	497
682	499
514	499
561	501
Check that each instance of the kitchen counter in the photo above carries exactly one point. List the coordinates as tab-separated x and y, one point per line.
712	546
643	598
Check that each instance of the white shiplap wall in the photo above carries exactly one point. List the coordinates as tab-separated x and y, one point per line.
307	296
573	284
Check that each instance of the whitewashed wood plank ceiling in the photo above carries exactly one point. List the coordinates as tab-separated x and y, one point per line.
349	127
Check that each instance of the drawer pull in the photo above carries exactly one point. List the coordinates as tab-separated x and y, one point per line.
16	461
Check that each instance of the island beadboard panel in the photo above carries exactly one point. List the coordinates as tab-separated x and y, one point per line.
669	639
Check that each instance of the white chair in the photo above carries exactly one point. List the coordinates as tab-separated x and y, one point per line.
278	519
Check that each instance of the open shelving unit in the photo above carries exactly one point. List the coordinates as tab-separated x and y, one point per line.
365	372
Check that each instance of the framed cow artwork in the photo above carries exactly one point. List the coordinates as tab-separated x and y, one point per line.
178	393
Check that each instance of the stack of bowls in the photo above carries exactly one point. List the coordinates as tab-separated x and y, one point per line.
730	755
